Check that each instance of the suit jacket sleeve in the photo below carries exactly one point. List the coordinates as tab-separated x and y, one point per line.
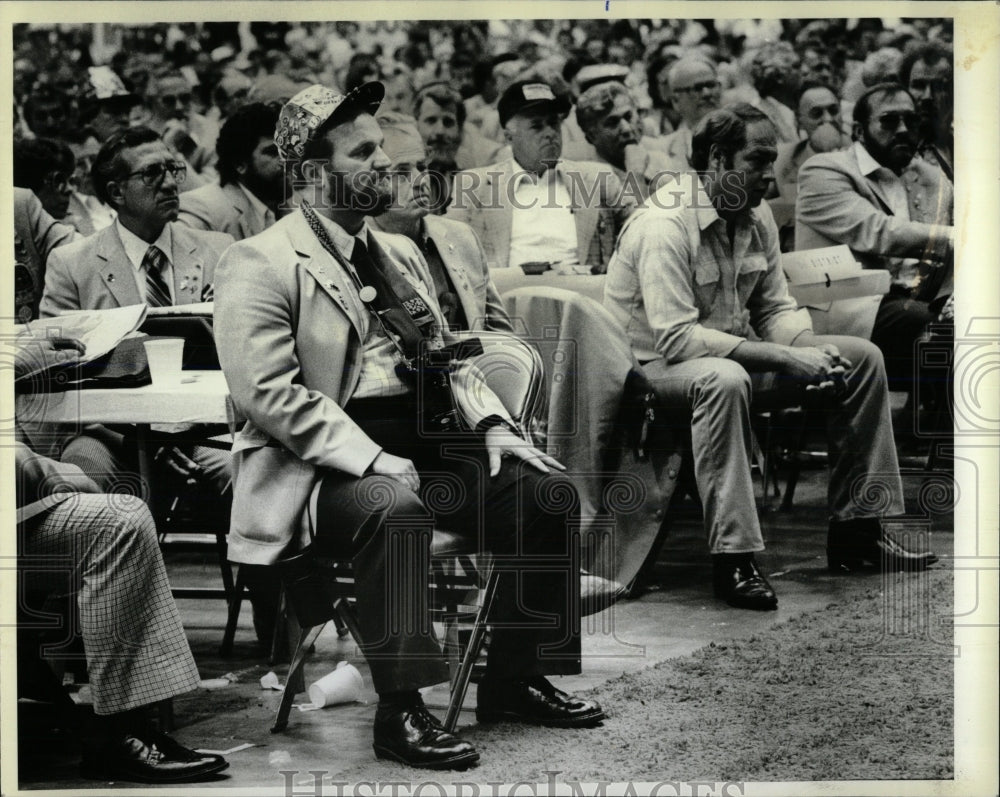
194	213
829	203
61	294
256	313
496	319
48	233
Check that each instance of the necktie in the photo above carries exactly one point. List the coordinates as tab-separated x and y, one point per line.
157	293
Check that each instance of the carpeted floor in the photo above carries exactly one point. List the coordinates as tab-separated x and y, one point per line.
819	697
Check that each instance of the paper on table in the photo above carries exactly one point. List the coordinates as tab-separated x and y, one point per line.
99	330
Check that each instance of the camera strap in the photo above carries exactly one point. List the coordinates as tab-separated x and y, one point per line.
402	313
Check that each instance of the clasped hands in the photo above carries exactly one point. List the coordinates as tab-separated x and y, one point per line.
500	442
820	366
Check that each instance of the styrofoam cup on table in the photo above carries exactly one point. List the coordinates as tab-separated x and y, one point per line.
166	359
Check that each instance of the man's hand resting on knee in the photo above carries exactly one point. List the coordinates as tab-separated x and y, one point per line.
500	441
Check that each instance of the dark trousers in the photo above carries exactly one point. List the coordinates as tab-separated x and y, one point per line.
528	520
900	322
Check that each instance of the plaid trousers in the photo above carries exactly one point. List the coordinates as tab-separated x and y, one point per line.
104	549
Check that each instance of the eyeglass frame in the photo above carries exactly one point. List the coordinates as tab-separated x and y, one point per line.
698	88
911	118
177	169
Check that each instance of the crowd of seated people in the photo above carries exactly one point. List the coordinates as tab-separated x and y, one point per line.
169	164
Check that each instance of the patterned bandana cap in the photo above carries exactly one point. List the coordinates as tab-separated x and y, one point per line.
306	112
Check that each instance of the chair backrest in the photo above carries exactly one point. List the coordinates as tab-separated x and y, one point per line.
512	369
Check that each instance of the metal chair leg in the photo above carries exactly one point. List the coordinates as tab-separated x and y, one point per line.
233	618
307	636
460	684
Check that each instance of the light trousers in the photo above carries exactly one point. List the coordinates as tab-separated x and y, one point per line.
718	394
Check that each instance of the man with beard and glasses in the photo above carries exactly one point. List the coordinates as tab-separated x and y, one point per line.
610	121
894	210
696	271
535	206
251	188
323	327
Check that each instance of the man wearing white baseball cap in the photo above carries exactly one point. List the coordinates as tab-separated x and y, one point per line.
536	207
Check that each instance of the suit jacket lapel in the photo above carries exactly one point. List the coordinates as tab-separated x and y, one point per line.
455	266
244	210
584	213
502	221
189	266
116	270
328	273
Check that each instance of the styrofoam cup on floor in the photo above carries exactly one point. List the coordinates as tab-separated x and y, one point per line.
343	685
166	359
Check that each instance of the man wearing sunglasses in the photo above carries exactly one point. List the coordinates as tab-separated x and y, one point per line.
894	210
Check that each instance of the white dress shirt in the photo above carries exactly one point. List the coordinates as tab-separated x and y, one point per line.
136	248
904	270
542	224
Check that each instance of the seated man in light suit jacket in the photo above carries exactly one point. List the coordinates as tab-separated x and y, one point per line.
251	186
466	294
894	210
536	207
143	257
320	324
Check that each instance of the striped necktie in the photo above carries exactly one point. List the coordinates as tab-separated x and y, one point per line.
157	292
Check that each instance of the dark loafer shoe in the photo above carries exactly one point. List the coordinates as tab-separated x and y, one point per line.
130	758
852	543
597	593
739	583
536	702
413	736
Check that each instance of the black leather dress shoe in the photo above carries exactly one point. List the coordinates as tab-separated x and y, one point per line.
133	759
597	593
739	583
413	736
536	702
852	543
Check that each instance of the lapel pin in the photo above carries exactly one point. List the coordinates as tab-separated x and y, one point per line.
111	277
367	294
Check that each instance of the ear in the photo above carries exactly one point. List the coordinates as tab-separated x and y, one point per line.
507	134
115	192
716	158
242	167
857	131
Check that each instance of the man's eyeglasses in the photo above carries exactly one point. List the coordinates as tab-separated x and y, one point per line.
816	113
154	174
697	88
173	99
890	121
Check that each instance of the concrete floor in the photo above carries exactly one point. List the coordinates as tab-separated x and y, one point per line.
670	622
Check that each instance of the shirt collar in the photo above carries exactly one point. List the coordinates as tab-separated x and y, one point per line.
696	198
136	248
522	176
255	203
866	163
341	238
